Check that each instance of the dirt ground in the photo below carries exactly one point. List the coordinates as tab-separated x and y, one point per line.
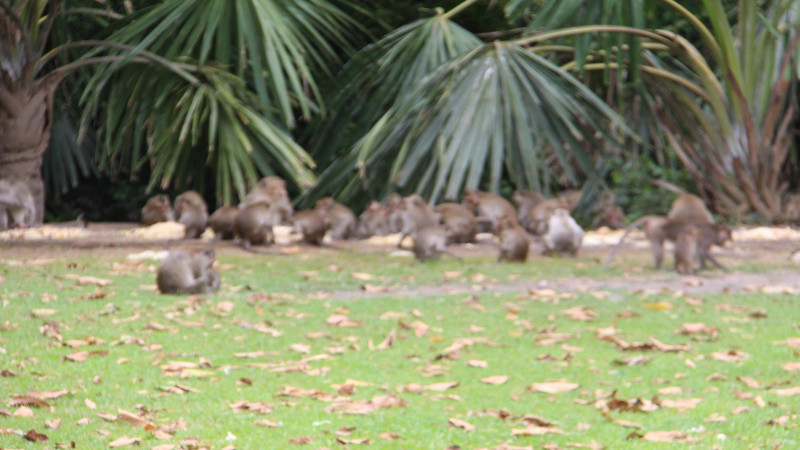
771	250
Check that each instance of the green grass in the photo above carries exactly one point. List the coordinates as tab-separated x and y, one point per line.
131	376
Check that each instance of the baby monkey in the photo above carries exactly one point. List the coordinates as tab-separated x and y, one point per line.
184	272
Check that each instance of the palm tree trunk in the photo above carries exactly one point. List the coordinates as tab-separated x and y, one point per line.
25	122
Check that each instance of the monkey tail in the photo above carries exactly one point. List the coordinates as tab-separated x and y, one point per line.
636	224
668	186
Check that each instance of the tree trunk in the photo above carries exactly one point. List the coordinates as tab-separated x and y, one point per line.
25	122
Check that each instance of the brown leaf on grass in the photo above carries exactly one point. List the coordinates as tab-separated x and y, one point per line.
671	390
782	420
34	436
5	373
751	383
477	363
108	417
791	366
729	356
375	288
155	326
253	407
636	404
628	346
633	361
345	442
495	379
462	343
367	406
793	342
699	328
628	424
28	400
250	355
580	313
420	328
660	346
134	419
43	312
554	387
339	320
266	423
388	341
663	436
361	276
291	391
87	281
392	315
466	426
23	411
546	338
787	392
52	424
683	404
715	417
390	436
225	306
125	441
535	431
440	387
89	340
305	349
302	440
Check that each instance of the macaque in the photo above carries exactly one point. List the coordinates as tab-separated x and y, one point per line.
222	222
253	225
657	229
17	207
192	212
374	221
312	224
272	191
686	250
430	242
569	199
689	208
514	242
342	220
184	272
415	215
539	217
157	209
526	201
564	235
458	221
610	216
489	207
395	215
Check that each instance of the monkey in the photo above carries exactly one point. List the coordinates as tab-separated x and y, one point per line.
686	250
514	242
657	229
430	242
610	216
458	221
312	224
526	201
341	218
689	208
395	215
253	225
539	217
184	272
192	212
569	199
157	209
17	207
415	215
272	191
374	221
222	222
564	235
489	207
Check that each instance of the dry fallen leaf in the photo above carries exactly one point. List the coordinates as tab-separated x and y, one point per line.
787	392
535	431
466	426
125	441
665	436
554	387
495	379
791	366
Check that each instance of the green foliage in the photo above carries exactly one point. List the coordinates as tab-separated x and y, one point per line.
631	182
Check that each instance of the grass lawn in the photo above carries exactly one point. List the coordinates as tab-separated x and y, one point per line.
466	365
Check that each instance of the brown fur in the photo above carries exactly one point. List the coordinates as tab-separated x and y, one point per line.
563	235
490	208
514	242
157	209
526	201
610	216
689	208
415	215
253	225
17	207
569	199
312	224
271	191
341	218
192	212
458	221
374	221
185	272
686	250
222	222
430	242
